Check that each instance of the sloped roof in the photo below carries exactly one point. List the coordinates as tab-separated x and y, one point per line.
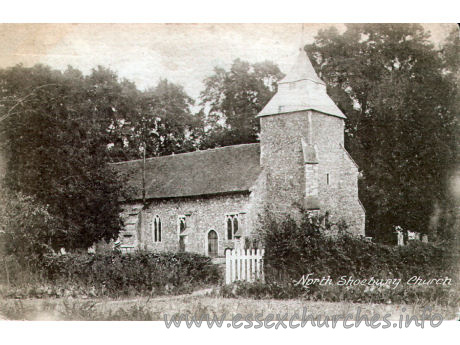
301	90
301	70
215	171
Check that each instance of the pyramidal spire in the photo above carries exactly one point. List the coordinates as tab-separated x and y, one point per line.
302	70
301	89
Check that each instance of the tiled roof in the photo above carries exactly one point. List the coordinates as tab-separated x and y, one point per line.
215	171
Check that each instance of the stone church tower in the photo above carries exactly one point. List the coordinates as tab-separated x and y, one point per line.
302	150
210	201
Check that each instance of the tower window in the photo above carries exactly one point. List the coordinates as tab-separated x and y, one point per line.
327	179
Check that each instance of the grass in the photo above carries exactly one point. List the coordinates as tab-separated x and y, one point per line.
153	309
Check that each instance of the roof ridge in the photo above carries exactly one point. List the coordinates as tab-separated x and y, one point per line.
184	153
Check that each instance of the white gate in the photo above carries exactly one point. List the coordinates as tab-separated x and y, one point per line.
243	264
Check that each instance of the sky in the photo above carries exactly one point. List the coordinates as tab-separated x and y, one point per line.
183	53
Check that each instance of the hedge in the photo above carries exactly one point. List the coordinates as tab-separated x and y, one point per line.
294	249
114	274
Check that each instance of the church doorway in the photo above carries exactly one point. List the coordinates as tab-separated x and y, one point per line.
212	244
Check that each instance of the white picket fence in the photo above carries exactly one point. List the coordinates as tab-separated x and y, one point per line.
243	264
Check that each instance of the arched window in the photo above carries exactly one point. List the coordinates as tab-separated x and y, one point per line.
232	226
227	250
235	225
156	229
213	247
159	230
229	228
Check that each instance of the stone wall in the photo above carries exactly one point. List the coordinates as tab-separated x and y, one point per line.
337	174
281	157
202	215
257	205
282	160
338	189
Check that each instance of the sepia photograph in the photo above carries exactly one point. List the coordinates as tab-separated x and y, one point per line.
230	175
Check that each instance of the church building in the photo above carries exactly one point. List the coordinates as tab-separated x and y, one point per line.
208	201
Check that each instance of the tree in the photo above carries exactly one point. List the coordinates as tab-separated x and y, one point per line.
232	99
114	104
167	125
451	52
54	136
27	229
448	214
59	131
159	119
390	82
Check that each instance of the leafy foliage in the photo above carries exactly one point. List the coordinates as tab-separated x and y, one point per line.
292	248
392	84
141	272
55	144
27	230
232	99
295	249
113	274
159	120
60	129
